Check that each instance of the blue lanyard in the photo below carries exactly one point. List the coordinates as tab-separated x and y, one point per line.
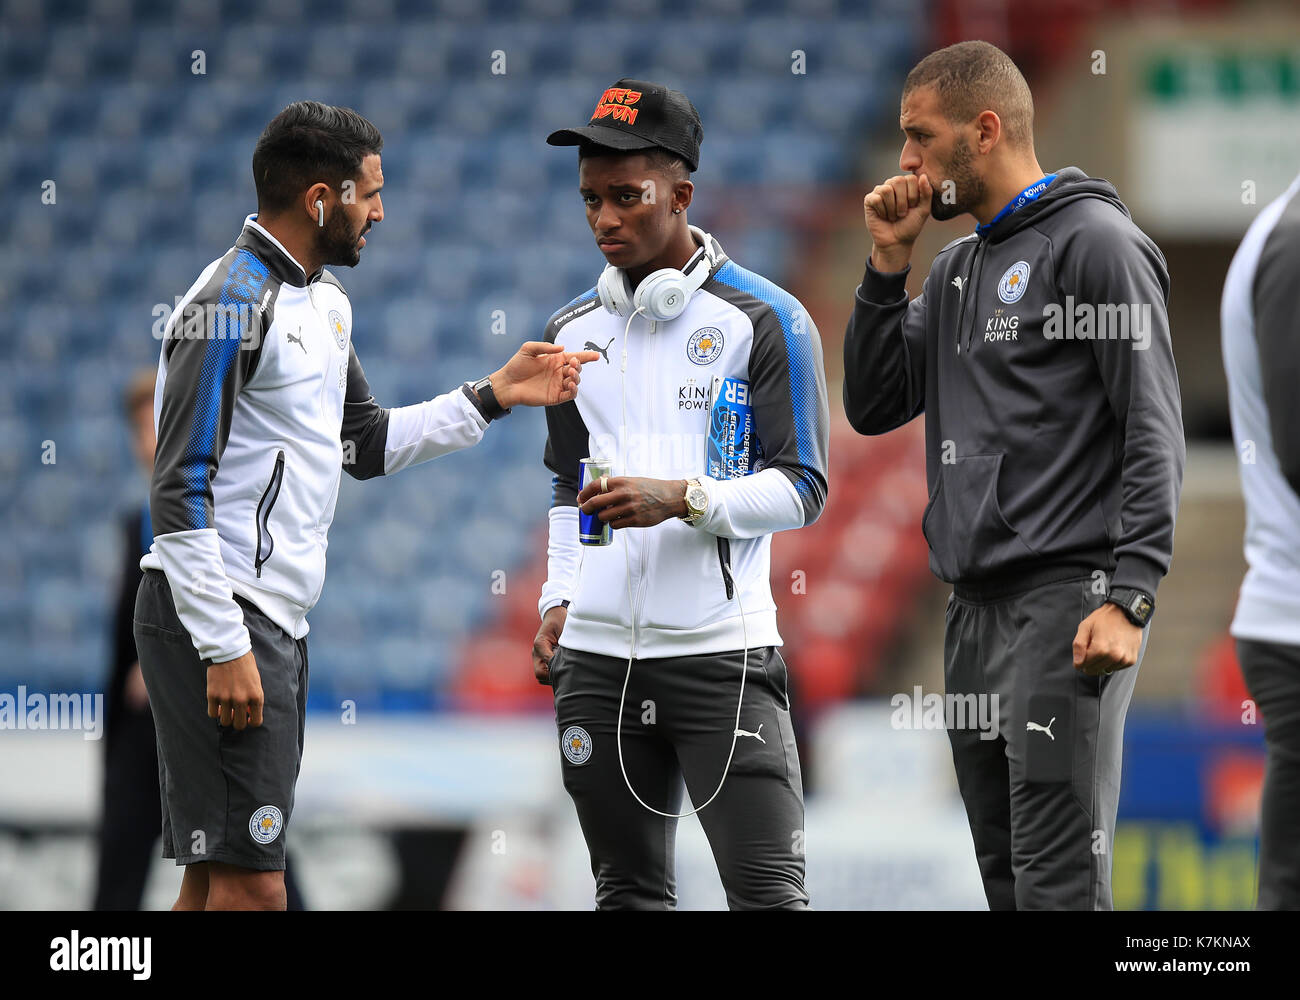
1029	194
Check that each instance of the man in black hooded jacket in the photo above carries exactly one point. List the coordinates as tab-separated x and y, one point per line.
1039	351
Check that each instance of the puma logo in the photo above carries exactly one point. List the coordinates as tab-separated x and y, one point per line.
602	351
296	340
741	732
959	283
1034	727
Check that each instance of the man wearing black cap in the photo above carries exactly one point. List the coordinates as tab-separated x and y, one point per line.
711	410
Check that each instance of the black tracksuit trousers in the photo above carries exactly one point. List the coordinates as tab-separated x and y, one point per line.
1042	797
679	718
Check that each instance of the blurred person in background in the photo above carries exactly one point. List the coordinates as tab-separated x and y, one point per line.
673	316
130	815
260	407
1054	459
130	820
1260	319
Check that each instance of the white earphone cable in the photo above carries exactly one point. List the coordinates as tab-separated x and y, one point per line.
627	564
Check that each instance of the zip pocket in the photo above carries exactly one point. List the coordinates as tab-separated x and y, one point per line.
724	563
973	275
264	506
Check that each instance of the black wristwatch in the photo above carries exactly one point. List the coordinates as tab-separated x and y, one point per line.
492	410
1136	604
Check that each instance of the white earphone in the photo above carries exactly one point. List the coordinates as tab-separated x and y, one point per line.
663	294
320	213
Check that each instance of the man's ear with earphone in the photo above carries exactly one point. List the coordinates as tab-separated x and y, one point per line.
316	203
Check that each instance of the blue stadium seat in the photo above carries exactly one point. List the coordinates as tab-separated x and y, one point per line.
152	167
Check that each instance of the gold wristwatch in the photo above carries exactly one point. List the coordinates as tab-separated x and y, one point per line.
697	502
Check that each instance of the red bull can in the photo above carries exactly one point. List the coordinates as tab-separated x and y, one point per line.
591	529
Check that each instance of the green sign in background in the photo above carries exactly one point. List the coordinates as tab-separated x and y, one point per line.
1224	75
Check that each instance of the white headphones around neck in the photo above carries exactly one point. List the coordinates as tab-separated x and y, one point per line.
663	294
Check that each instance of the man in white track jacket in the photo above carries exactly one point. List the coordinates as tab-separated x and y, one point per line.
260	406
681	599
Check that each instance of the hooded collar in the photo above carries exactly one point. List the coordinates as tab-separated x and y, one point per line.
1025	197
271	251
1070	185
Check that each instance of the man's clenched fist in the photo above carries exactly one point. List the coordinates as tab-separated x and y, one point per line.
895	212
1106	641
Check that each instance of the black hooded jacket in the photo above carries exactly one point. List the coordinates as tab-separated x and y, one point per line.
1040	354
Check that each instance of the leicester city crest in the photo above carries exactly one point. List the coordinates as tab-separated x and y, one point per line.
705	345
576	744
338	328
265	824
1014	282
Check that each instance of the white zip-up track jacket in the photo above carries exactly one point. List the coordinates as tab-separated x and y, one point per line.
1261	356
260	404
737	325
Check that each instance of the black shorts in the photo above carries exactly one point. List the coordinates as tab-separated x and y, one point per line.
226	795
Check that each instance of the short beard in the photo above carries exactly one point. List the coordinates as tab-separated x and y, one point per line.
336	243
967	185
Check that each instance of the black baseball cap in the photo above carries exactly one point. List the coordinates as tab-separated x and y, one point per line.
634	114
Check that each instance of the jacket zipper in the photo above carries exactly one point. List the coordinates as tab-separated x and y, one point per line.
263	517
724	564
311	297
975	284
965	294
639	595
